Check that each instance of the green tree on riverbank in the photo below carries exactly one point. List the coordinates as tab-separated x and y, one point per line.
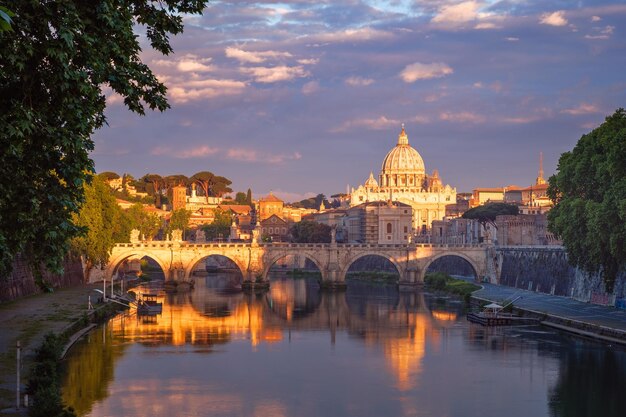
589	193
57	59
103	222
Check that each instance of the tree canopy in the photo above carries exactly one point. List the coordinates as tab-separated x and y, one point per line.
220	228
589	193
57	58
103	222
312	202
487	213
310	232
212	185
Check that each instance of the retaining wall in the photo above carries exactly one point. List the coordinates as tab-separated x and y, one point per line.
21	282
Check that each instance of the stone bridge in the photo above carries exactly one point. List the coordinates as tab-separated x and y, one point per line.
178	259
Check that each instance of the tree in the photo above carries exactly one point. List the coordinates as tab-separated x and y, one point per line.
249	198
240	198
310	232
56	61
220	226
101	218
211	184
179	220
175	180
589	193
312	202
108	175
148	224
487	213
157	182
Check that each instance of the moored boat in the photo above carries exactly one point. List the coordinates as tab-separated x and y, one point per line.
148	304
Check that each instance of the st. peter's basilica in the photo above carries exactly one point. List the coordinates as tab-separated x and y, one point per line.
403	178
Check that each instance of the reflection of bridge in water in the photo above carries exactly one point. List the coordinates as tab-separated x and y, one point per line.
398	322
179	259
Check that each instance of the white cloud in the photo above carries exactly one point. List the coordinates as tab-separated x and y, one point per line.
420	71
309	61
601	32
462	117
486	25
350	35
458	13
197	152
358	81
187	63
190	65
253	155
254	57
553	19
275	74
379	123
595	18
511	39
582	108
183	91
311	87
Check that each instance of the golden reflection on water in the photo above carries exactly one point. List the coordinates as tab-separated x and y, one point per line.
204	318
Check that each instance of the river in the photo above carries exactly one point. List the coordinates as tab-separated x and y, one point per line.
369	351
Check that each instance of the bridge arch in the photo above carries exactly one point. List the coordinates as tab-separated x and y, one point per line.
191	265
353	259
275	258
115	262
466	258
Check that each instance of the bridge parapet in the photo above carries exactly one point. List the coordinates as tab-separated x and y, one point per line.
255	259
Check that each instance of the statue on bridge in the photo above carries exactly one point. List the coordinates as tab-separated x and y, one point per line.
177	235
134	236
200	236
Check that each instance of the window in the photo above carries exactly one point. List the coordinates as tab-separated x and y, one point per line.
406	229
271	230
388	227
284	230
388	237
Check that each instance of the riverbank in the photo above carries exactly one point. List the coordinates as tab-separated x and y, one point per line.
28	320
588	320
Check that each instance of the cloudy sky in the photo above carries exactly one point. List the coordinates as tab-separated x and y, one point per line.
304	97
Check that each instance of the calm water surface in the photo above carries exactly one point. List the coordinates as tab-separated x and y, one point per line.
371	351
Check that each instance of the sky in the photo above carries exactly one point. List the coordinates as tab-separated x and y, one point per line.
307	97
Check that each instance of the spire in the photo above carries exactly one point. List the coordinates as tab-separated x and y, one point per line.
540	180
403	139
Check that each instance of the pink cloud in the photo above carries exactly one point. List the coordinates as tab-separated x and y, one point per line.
197	152
462	117
359	81
252	155
553	19
311	87
275	74
583	108
253	57
420	71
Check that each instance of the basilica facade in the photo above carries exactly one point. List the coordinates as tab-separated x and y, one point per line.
403	178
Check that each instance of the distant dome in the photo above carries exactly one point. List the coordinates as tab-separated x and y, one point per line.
403	159
371	181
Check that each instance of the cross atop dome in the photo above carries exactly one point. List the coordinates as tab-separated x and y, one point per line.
403	139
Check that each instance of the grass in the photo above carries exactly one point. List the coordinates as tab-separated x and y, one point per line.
376	276
444	282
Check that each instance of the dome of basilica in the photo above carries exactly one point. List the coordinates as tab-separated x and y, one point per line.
403	159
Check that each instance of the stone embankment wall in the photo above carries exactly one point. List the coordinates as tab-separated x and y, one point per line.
546	269
21	281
